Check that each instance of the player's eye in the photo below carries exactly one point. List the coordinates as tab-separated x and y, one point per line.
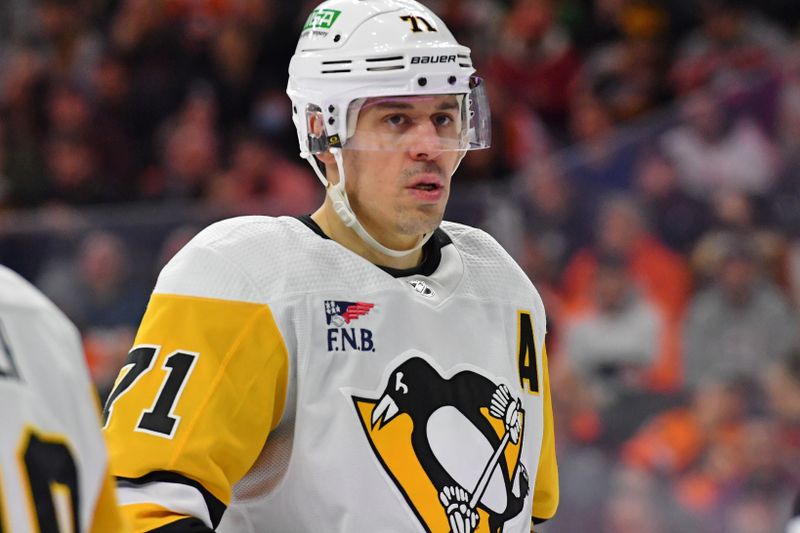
396	120
442	120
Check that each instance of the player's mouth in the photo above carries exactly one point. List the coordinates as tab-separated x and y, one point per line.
427	188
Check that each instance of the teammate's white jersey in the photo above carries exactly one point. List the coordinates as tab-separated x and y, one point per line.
53	461
292	385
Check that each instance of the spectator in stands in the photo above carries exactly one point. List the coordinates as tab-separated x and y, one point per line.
102	146
628	72
261	181
536	60
115	127
22	90
611	347
66	40
732	47
766	483
678	218
716	150
72	173
734	214
672	442
738	324
604	161
661	275
554	212
702	490
98	287
144	35
638	502
190	151
611	344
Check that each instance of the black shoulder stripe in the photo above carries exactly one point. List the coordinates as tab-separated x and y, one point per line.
215	507
540	520
184	525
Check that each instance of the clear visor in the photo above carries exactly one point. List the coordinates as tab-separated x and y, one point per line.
437	122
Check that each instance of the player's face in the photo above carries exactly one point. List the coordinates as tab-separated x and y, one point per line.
398	177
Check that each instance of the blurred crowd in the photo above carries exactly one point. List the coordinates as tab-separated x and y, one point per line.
645	172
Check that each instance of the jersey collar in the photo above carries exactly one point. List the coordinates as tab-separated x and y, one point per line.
431	252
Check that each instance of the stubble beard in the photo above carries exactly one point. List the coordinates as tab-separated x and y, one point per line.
408	222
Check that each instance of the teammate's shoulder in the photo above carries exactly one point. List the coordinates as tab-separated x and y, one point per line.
18	292
20	297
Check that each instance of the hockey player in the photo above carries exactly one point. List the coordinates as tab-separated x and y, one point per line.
53	461
365	368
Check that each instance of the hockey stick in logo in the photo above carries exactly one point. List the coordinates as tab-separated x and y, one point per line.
460	505
507	409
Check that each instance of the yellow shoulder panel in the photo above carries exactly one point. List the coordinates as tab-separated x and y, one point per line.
545	493
222	404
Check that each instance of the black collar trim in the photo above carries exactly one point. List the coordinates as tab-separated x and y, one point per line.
431	251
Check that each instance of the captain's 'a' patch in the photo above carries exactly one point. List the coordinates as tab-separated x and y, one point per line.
451	445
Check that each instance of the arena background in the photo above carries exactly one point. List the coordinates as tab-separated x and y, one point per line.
645	172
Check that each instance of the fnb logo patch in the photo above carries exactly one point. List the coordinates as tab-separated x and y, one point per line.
339	314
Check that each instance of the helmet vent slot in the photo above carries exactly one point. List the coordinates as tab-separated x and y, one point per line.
339	62
336	71
376	59
383	69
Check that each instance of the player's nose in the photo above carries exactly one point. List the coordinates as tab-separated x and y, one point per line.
426	143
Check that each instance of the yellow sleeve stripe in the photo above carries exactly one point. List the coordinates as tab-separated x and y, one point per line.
546	493
233	397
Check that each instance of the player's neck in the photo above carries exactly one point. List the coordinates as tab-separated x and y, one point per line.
333	227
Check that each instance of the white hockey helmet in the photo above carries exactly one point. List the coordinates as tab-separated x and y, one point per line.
351	50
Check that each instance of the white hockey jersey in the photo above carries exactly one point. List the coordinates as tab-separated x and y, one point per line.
53	462
280	382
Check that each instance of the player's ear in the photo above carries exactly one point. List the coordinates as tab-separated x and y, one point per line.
316	130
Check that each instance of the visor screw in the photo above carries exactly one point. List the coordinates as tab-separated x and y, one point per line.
331	121
331	109
451	80
422	82
294	109
337	38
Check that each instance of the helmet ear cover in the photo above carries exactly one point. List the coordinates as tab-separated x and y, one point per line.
317	138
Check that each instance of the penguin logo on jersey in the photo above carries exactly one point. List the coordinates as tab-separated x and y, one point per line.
452	446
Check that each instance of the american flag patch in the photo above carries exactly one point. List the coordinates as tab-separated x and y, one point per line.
348	311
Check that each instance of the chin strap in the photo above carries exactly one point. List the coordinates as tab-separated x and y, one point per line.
341	205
